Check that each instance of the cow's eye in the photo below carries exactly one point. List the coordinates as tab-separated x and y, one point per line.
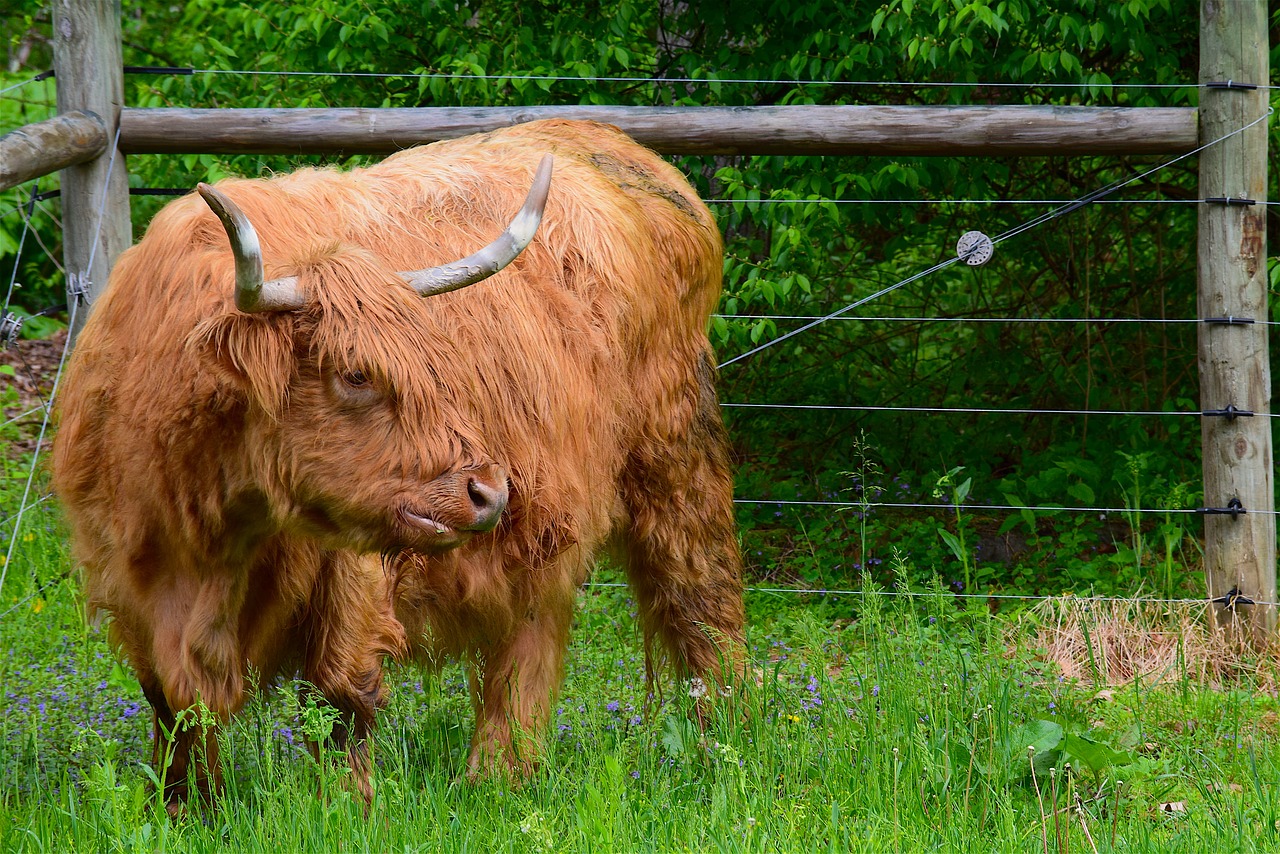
356	387
356	379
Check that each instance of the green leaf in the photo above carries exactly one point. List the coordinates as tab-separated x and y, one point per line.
219	46
953	543
1081	492
677	738
1044	738
1095	755
1041	734
877	21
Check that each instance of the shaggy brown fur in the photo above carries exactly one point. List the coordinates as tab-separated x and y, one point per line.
223	471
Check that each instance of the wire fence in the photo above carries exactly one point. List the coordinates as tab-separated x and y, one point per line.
958	596
1058	208
1093	86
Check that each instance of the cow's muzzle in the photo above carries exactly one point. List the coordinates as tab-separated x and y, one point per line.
488	491
457	506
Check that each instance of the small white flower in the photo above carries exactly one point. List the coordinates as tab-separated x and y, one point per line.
697	688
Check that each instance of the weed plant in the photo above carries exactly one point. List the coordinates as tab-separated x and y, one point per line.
883	722
981	533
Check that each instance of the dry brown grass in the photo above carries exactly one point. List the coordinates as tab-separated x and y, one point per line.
1112	642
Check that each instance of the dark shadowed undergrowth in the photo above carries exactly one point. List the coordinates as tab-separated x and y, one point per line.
881	723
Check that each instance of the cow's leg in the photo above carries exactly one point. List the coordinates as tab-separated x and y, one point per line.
681	545
188	666
184	748
349	629
514	685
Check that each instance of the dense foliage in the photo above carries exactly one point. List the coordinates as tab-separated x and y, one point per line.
799	246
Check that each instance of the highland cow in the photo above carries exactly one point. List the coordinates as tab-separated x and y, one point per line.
308	472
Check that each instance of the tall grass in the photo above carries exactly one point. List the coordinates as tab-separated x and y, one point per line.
903	725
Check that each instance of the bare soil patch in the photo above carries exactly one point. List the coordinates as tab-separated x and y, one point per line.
35	367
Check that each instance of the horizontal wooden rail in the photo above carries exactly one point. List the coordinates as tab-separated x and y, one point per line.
38	149
883	130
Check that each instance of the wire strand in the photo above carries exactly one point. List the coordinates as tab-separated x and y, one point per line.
15	419
1045	202
833	315
22	241
948	594
920	319
1117	185
1007	235
748	81
867	505
102	203
44	75
35	455
976	410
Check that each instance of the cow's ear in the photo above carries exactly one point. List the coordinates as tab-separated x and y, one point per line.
253	352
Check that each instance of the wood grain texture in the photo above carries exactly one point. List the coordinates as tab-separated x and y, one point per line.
1232	280
95	194
941	131
39	149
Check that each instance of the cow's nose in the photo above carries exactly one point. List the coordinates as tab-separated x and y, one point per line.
488	494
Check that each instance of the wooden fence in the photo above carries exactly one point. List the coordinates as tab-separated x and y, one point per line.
94	131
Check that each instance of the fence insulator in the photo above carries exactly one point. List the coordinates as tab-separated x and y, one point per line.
1234	509
1232	598
10	326
1230	413
975	248
158	69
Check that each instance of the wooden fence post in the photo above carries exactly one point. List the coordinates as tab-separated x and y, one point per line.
89	70
1240	550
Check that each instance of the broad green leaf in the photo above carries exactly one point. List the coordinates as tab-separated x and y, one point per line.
1095	755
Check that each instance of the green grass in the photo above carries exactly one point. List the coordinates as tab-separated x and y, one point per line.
886	724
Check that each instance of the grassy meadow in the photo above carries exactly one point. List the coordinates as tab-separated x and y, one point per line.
879	723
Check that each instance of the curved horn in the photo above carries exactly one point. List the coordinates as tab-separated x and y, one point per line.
495	256
252	293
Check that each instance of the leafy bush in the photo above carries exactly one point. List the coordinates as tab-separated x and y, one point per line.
801	242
